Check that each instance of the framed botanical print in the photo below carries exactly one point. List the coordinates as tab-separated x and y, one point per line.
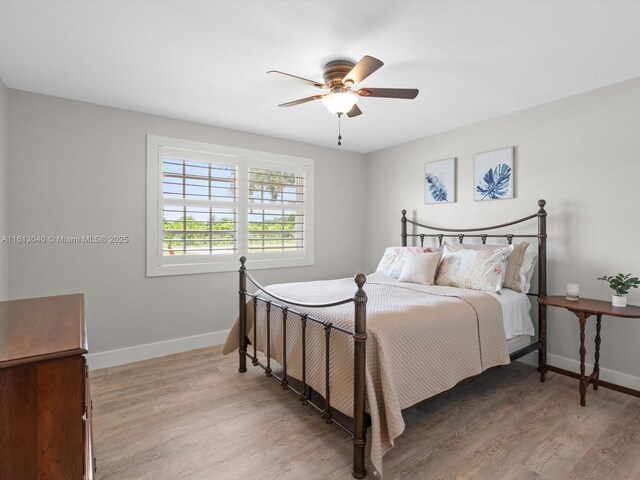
493	175
440	181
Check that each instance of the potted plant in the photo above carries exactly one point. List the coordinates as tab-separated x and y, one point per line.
621	284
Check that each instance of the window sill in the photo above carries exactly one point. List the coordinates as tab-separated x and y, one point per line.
227	266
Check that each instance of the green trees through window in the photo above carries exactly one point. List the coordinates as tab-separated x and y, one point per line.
274	222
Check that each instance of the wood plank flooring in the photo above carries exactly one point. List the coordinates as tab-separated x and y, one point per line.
193	416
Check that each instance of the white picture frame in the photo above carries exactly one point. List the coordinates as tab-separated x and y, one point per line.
440	181
493	175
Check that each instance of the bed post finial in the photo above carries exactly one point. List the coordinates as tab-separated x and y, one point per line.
404	228
242	330
542	288
359	372
541	204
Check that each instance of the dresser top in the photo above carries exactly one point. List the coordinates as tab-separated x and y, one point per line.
42	328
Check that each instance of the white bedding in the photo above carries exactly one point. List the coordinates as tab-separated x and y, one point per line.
515	313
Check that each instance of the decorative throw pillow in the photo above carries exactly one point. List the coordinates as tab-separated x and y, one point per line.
392	261
420	267
526	272
473	269
514	266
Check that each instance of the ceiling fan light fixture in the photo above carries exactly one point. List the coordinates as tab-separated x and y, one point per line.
340	102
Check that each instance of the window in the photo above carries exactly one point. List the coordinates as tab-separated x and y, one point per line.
207	205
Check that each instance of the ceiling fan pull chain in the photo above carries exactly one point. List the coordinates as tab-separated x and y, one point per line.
339	129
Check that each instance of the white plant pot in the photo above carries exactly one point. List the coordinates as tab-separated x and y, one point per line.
618	301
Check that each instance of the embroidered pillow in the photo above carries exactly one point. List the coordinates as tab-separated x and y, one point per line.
420	267
473	269
393	259
514	267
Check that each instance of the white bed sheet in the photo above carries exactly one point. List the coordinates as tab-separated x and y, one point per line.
516	315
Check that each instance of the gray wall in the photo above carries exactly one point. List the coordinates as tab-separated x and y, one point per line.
581	154
4	196
78	168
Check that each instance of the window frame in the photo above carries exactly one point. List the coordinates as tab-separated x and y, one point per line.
161	265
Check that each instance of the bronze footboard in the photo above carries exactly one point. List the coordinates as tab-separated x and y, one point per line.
358	429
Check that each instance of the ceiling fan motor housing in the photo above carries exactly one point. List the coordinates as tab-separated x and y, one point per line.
335	71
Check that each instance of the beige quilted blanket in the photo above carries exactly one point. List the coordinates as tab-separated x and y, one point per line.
422	340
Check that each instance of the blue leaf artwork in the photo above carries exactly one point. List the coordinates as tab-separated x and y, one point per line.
495	182
436	188
440	181
493	175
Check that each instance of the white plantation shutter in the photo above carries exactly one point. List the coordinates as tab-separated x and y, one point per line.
200	203
207	205
276	207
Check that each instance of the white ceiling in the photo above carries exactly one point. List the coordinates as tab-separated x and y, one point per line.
206	61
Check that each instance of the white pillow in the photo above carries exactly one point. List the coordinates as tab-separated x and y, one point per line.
527	269
473	269
393	259
420	267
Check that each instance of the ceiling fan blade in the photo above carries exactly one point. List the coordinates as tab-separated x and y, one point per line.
301	100
354	112
295	77
408	93
362	70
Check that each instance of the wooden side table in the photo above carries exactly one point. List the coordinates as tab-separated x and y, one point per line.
584	308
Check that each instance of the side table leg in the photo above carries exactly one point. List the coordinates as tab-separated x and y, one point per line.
596	365
583	385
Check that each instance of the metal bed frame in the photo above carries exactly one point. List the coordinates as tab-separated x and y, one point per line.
357	425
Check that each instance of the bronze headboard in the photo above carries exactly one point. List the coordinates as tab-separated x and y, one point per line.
462	233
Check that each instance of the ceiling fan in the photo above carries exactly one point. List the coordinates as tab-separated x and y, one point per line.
340	76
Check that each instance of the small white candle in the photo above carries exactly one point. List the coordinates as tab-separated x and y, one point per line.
573	291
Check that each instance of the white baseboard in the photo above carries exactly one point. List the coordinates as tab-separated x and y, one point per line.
573	365
112	358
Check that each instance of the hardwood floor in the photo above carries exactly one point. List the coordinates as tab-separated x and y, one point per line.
193	416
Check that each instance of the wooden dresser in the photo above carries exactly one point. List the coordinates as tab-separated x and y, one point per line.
45	403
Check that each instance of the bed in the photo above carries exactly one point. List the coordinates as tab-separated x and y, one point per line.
361	360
